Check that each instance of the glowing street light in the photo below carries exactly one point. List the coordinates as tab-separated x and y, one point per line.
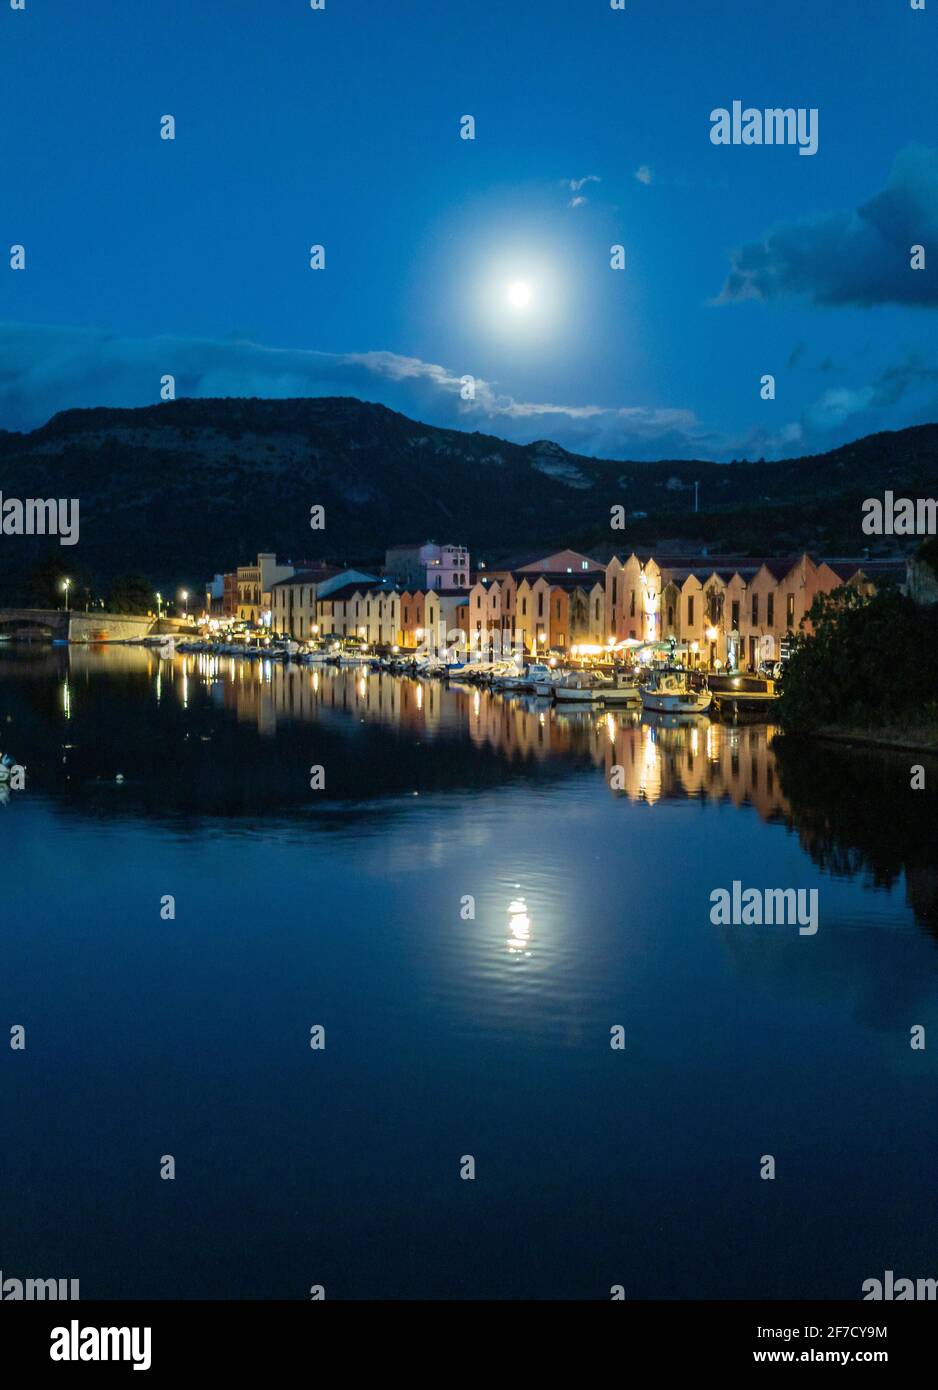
184	595
66	585
159	600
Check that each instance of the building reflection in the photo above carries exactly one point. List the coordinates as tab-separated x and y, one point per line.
642	757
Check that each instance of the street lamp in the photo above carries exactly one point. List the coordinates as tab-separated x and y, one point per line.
66	585
159	600
184	595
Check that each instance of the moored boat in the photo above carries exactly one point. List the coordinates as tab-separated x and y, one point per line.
582	687
671	692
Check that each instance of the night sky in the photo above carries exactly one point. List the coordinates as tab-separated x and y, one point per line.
341	127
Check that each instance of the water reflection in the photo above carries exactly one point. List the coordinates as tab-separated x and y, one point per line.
519	927
589	842
202	735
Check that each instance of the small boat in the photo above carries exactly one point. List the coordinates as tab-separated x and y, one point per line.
671	692
582	687
512	677
744	694
623	689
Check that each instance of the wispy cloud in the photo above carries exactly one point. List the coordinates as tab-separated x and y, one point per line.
643	174
47	369
577	185
44	370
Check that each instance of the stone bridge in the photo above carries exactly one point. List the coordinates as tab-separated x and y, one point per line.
54	624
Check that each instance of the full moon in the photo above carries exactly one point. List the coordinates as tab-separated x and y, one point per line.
519	294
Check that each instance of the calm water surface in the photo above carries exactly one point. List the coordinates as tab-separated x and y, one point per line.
445	1036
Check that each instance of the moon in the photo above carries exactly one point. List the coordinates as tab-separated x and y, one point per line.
519	294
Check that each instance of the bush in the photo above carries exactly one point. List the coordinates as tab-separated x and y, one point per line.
871	661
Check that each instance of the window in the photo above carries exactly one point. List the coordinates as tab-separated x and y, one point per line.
596	615
690	611
670	615
540	604
755	609
770	609
790	610
558	608
614	583
524	608
632	608
584	564
735	613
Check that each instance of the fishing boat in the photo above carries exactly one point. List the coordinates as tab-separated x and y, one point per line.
743	694
671	692
582	687
545	679
623	688
512	676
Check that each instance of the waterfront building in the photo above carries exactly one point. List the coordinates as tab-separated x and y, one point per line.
454	618
255	583
428	566
293	600
420	620
726	610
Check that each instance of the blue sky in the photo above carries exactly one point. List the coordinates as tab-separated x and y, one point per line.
341	127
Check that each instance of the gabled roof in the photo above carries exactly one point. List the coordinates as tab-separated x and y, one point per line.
345	591
315	576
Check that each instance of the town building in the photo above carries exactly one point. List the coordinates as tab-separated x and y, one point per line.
727	611
255	583
293	600
428	566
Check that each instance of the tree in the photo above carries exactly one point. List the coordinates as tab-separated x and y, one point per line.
45	583
870	661
131	593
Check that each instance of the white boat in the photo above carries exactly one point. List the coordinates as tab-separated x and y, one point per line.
512	677
670	692
542	678
582	687
623	689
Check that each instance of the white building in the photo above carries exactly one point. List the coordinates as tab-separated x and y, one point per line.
428	566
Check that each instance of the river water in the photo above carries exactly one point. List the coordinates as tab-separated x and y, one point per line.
468	910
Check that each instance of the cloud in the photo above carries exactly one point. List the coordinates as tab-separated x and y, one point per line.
44	370
643	174
859	257
576	185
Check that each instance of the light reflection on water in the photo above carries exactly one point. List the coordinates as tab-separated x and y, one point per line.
589	841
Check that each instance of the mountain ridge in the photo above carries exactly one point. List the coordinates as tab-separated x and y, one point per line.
185	488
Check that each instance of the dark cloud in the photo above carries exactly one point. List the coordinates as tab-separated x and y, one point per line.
856	257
